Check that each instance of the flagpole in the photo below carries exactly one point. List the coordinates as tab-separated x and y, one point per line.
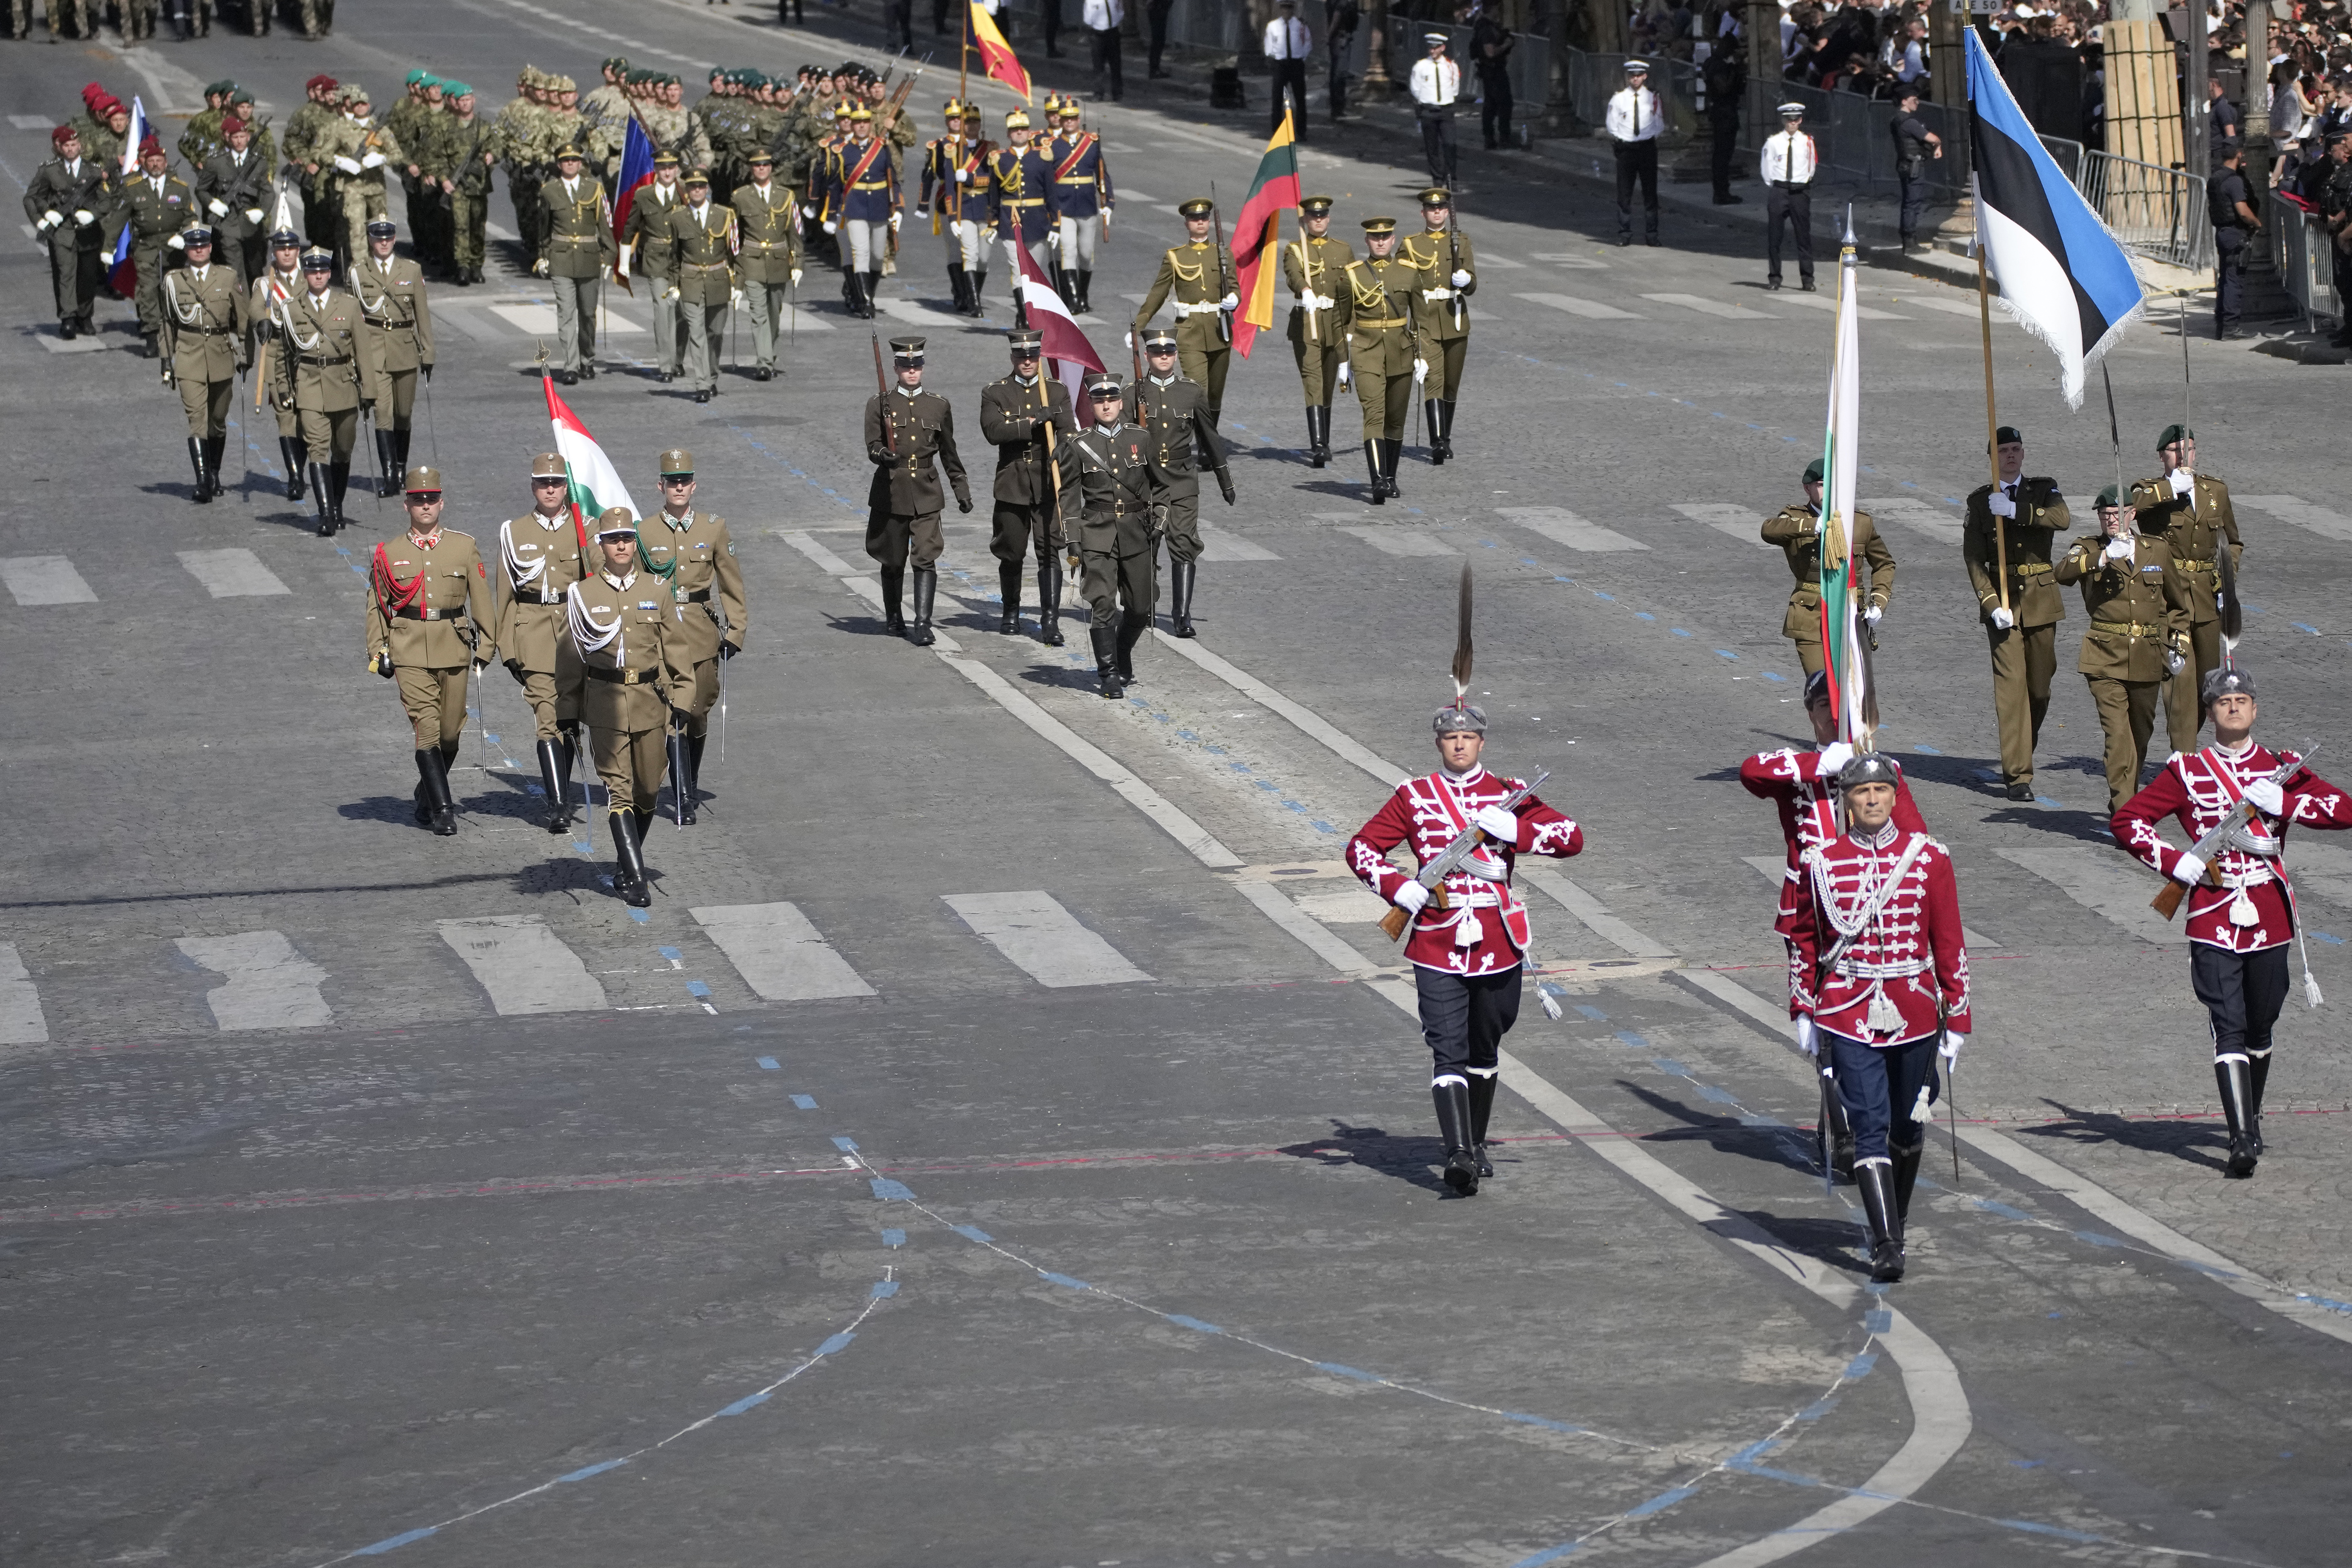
1993	428
963	60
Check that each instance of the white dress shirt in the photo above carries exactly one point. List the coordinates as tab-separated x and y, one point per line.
1437	83
1287	39
1790	157
1102	16
1635	115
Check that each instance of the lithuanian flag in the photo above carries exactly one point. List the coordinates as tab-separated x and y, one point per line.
1257	234
995	55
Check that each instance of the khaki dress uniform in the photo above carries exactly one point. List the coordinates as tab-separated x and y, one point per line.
392	297
1199	279
80	197
1178	439
1796	529
419	589
1312	268
2025	657
625	631
696	554
648	234
703	285
1025	511
2139	607
769	252
1107	471
205	333
2197	527
903	504
573	257
268	290
157	209
1439	254
1376	310
539	558
329	371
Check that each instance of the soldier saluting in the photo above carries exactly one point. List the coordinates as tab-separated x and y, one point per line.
908	430
1178	436
2138	606
624	626
540	554
2016	523
1375	308
205	335
1198	276
1797	530
420	586
2191	513
1311	265
1024	415
695	555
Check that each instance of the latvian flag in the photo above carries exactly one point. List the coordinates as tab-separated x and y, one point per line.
636	173
596	483
1257	234
1067	354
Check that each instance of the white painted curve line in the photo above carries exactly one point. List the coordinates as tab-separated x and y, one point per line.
524	966
267	984
44	580
1034	931
21	1022
1276	907
806	543
1305	720
2327	525
1707	306
1564	527
1591	309
232	573
780	954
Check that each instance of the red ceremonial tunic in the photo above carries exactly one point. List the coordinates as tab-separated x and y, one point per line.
1793	781
2253	907
1484	928
1886	988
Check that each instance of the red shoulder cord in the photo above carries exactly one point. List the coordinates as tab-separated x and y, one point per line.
390	594
579	530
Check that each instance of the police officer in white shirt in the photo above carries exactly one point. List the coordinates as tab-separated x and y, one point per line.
1103	19
1436	84
1788	165
1288	43
1636	120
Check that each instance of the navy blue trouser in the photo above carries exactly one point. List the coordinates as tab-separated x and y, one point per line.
1879	1085
1465	1017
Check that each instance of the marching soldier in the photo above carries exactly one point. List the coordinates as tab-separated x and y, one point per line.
1879	986
695	555
2139	609
1082	203
2020	522
1311	265
1178	437
67	203
305	165
1027	417
1198	275
575	254
540	554
158	206
326	370
863	203
906	434
277	284
1469	940
2192	513
390	292
769	259
205	348
955	198
1797	530
355	152
1020	204
648	238
2241	907
420	586
1375	309
1107	470
463	149
1449	276
703	286
624	626
234	184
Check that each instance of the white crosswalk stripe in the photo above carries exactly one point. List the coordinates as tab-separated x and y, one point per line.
780	956
1829	302
539	320
231	573
1394	541
267	984
1707	306
1041	936
1217	545
44	580
21	1023
1948	304
1564	527
1913	511
1591	309
524	966
917	315
1736	521
2327	525
2103	881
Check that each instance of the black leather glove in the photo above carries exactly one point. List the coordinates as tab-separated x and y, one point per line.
427	370
727	651
1225	486
381	662
963	503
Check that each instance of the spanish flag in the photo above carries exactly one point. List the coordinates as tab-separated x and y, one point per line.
995	55
1257	234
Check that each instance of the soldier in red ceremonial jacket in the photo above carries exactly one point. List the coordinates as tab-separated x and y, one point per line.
1803	784
2241	905
1466	947
1878	983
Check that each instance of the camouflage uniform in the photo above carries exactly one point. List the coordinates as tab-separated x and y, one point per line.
457	150
353	155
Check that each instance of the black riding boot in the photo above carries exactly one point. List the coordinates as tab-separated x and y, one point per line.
894	617
927	584
1481	1106
1181	575
1445	429
1372	461
339	484
290	452
693	790
566	757
318	486
1907	1176
2238	1109
1318	435
1834	1134
975	281
1391	454
1429	406
399	474
1085	291
215	445
629	861
1876	1181
384	484
434	769
2259	1076
956	283
551	779
1008	586
1105	641
1049	603
204	495
1451	1099
1132	625
873	292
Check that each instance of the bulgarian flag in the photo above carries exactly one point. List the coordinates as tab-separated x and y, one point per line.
595	484
1847	661
1257	234
996	56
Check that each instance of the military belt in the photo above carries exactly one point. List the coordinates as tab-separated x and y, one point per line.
2125	628
621	677
1025	201
704	265
697	596
321	359
871	185
2030	568
767	245
2195	565
409	612
1380	321
539	596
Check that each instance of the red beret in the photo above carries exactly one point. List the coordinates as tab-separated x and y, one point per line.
108	107
62	134
316	82
92	93
153	144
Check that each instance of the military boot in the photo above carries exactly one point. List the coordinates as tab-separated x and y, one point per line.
434	769
1085	292
1429	417
1008	585
894	617
319	486
1876	1180
1452	1096
339	485
1132	627
1181	575
962	289
1372	461
550	771
204	495
214	447
1106	644
1391	454
1833	1133
873	292
399	474
629	861
1907	1176
694	744
1481	1106
975	281
290	453
1445	429
386	484
1049	605
927	584
2238	1109
1318	435
2259	1076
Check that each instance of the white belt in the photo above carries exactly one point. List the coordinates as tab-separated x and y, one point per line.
1473	901
2253	879
1856	969
1437	293
1184	309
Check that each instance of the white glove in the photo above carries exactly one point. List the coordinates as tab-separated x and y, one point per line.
830	227
2174	664
345	164
1999	505
2267	796
808	212
373	160
1461	278
1874	614
50	219
796	276
1230	302
1420	369
1343	373
1809	1035
217	207
1130	343
2119	548
1834	757
1411	897
177	242
1950	1049
963	176
2182	481
538	268
2001	619
735	297
2189	871
896	218
84	217
253	215
1503	826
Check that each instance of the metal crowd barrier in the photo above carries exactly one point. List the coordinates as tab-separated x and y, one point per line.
2154	211
2301	246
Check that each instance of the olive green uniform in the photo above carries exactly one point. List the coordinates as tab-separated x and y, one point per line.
768	251
1196	277
329	371
1108	474
206	330
429	656
697	555
1014	416
703	284
1375	309
2139	609
391	296
81	196
157	209
2025	657
903	504
2195	527
1444	310
575	255
653	251
1179	438
1796	529
1317	342
538	559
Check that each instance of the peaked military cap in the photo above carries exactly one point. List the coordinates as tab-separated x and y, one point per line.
1159	337
1315	206
197	234
678	460
759	156
281	240
1437	196
1792	111
566	151
664	159
616	523
1379	225
1642	66
1196	206
1817	688
318	260
1440	38
423	480
1104	384
697	177
549	466
1025	342
381	228
907	351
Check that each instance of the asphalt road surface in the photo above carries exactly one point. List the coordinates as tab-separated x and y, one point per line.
1005	1140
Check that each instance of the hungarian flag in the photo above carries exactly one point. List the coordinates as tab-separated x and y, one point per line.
1841	647
636	173
121	271
1257	234
1067	354
995	55
596	483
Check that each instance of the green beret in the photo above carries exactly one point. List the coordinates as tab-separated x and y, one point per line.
239	96
2173	432
1813	472
2111	496
414	77
2007	435
455	89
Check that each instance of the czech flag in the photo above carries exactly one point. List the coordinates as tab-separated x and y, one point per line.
123	273
1067	354
995	55
1257	234
596	483
636	173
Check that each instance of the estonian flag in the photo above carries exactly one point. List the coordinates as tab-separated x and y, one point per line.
2063	275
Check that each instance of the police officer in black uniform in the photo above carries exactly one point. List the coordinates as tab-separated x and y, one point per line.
2235	217
1914	147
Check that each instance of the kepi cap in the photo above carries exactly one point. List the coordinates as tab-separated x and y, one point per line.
1160	338
1195	206
549	466
1104	383
907	351
1025	342
422	480
614	522
675	461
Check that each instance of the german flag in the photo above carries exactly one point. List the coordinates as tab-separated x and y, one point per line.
995	55
1257	234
